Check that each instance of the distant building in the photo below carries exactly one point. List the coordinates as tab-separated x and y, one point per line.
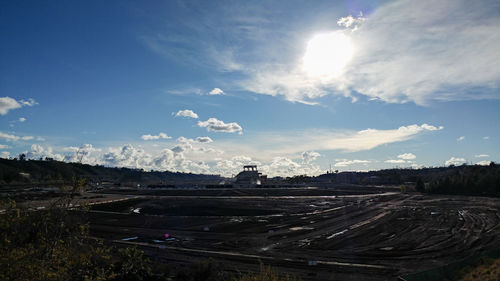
250	176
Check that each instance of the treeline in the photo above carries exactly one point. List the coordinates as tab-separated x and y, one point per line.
48	171
466	180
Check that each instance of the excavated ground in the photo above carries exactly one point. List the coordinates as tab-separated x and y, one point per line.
316	234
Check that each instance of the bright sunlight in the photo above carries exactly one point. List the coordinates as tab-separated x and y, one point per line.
327	54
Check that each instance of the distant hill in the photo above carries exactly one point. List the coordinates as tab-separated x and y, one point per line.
465	179
51	172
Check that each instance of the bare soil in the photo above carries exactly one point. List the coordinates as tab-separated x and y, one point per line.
317	234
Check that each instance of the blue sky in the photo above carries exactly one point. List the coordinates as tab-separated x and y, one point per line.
293	86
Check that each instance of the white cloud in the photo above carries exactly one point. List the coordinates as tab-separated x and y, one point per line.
486	138
204	139
166	159
8	103
272	144
29	102
37	151
5	154
350	21
346	162
483	163
407	156
404	52
186	113
215	125
185	91
11	137
82	154
395	161
22	119
8	137
461	138
283	166
309	156
4	146
155	137
481	155
454	161
216	91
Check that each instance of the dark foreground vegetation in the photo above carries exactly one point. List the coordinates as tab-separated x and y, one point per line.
54	245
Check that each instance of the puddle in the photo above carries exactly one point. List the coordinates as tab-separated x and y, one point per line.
237	220
130	238
301	228
337	234
304	242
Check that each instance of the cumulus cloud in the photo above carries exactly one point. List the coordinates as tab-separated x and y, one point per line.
186	113
22	119
461	138
407	156
481	155
82	154
215	125
37	151
402	158
405	52
454	161
4	146
346	162
8	103
204	139
166	159
483	163
350	21
5	154
155	137
216	91
309	156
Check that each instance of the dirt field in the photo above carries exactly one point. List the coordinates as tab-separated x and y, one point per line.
317	234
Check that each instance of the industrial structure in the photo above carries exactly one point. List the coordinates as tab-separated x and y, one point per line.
250	176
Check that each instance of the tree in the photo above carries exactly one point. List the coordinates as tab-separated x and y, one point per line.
420	187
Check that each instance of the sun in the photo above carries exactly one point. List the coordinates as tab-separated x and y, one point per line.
327	54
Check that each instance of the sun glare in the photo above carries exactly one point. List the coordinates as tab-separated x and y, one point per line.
327	54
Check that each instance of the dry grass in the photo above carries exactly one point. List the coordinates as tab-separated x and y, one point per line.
266	274
488	271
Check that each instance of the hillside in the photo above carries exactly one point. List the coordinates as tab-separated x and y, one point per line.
50	172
